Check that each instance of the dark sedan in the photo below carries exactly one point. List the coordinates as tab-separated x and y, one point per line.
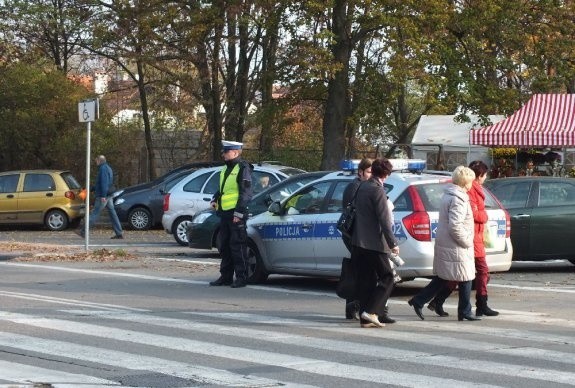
141	205
203	230
542	211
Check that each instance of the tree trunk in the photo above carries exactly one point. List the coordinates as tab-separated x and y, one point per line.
337	105
141	82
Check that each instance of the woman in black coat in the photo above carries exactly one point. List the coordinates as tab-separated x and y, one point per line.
372	242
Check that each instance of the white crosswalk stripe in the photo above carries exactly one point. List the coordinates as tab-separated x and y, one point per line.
350	347
203	375
21	373
269	331
298	363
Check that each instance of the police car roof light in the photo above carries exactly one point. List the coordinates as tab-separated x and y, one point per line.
415	166
349	164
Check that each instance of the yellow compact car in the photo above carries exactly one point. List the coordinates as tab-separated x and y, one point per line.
44	197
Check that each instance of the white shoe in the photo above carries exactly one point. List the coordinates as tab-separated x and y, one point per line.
372	318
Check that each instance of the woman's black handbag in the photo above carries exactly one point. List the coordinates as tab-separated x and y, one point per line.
346	286
347	218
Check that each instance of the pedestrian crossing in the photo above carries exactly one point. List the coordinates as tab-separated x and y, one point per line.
82	344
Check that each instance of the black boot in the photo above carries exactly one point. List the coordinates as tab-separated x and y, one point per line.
482	308
437	307
352	310
221	281
416	308
384	317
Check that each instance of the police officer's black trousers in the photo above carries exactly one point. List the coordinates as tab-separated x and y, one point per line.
233	249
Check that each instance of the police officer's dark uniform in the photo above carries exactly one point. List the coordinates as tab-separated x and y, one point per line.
235	190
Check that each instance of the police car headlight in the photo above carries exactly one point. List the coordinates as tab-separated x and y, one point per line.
201	217
119	201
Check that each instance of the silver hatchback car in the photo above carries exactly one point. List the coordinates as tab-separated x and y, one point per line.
194	193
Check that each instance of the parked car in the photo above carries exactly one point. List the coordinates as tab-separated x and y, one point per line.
43	197
299	236
542	211
204	227
194	193
167	176
143	209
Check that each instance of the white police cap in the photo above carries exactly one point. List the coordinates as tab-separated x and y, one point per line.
231	145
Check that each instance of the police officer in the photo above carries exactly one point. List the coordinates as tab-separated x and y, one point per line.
230	201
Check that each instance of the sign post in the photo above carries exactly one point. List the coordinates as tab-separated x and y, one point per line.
88	111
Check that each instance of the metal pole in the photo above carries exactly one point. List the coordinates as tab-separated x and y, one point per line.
87	218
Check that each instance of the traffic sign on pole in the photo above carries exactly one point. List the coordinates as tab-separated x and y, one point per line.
88	111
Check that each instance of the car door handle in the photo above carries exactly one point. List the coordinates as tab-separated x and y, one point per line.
306	227
521	216
207	199
49	195
10	196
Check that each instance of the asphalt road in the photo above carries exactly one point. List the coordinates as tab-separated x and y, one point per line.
153	321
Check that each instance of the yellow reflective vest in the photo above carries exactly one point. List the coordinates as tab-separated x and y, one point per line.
229	190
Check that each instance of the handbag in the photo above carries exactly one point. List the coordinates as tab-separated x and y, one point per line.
346	286
347	218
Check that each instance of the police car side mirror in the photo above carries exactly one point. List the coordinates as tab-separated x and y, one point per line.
275	208
268	200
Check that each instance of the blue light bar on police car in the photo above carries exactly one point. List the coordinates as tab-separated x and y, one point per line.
349	164
412	165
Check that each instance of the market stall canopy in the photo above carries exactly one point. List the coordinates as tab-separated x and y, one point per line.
546	120
446	131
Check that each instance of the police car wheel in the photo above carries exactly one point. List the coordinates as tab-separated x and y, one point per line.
256	271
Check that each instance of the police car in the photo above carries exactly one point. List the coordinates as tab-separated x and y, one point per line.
299	236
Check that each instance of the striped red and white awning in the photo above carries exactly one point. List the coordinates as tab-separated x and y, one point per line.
546	120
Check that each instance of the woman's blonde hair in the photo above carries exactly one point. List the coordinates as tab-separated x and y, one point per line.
462	176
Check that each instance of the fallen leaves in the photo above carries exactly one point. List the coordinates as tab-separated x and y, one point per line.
27	252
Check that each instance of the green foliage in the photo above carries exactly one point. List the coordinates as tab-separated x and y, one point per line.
46	29
38	118
396	61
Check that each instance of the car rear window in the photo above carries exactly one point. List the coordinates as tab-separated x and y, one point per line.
490	201
556	193
195	185
430	195
70	181
512	195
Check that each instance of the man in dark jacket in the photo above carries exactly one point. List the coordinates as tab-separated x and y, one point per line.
372	242
363	174
230	201
103	191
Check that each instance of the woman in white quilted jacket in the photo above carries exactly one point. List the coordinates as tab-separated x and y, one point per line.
453	251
